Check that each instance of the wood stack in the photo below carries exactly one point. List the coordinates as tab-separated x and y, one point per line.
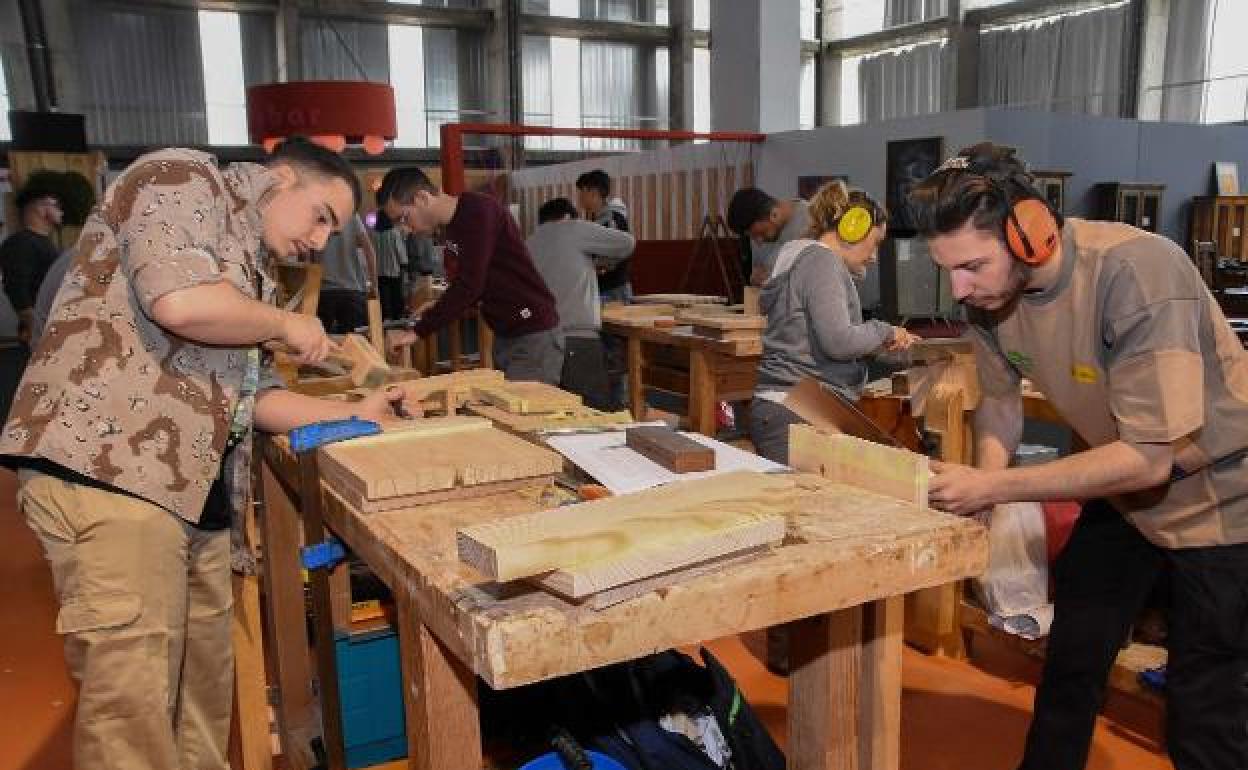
639	315
580	550
728	327
679	300
431	460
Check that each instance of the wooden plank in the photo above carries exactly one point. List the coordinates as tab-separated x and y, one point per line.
825	656
439	699
250	744
437	455
849	460
665	206
652	202
660	583
675	452
376	331
703	398
713	206
682	205
697	210
284	621
322	617
528	397
594	546
721	321
425	387
679	300
880	696
536	423
751	299
636	387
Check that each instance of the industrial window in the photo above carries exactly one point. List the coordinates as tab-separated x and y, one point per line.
225	98
5	135
1226	93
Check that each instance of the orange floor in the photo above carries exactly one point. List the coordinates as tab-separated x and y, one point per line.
955	716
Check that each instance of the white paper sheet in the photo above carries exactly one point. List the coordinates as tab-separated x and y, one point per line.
622	470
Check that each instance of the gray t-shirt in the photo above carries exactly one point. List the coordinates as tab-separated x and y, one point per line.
564	253
342	264
765	252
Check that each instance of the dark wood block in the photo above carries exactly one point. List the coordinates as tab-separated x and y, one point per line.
677	453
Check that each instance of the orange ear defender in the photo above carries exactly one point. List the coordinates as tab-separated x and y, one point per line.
1031	232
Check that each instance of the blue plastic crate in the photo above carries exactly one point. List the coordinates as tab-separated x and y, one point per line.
371	690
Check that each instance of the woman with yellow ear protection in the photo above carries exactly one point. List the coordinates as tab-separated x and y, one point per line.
814	316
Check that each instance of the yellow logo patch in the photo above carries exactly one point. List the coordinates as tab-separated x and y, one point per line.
1084	374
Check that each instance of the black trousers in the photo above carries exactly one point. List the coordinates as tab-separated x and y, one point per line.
393	303
342	311
585	371
1103	579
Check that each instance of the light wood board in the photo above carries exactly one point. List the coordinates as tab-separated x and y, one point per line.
679	300
536	423
582	549
527	397
428	460
845	459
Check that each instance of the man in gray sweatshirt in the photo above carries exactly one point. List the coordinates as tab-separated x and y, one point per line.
565	250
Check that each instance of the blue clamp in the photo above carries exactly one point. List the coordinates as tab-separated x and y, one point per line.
1154	678
324	555
319	434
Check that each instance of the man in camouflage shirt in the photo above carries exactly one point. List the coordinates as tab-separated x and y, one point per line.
131	433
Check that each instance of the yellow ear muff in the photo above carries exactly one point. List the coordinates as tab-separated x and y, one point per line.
855	224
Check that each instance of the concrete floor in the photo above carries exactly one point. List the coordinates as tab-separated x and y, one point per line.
955	716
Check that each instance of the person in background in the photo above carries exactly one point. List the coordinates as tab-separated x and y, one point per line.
815	326
566	251
348	266
487	263
392	263
131	434
769	224
26	255
593	196
47	294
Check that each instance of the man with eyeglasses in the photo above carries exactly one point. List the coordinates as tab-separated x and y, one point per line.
26	255
486	262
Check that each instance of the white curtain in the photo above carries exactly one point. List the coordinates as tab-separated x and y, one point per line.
138	74
1069	63
1187	59
897	12
903	83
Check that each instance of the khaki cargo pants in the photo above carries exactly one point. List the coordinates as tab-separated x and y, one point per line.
145	611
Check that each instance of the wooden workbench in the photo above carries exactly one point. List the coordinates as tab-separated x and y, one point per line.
676	360
841	571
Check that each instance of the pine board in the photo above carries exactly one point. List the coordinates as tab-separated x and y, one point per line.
845	459
724	320
679	300
528	398
579	550
432	459
534	423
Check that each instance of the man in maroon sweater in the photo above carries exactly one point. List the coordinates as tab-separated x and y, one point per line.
486	262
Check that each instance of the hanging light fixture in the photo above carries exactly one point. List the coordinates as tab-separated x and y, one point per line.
333	113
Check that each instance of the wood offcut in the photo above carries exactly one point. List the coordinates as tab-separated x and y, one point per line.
674	451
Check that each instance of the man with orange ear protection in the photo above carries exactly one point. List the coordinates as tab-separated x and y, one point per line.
1118	330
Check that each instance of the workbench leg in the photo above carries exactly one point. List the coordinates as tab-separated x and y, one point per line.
439	698
485	343
880	697
287	642
322	617
825	659
702	396
636	388
250	747
845	689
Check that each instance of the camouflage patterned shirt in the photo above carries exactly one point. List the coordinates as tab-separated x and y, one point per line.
110	394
